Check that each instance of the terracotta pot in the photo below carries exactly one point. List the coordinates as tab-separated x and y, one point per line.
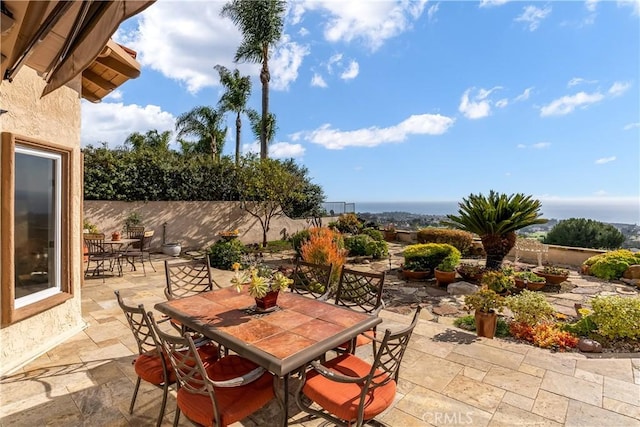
520	284
267	301
533	286
585	269
443	278
486	324
415	275
85	252
390	236
115	235
554	279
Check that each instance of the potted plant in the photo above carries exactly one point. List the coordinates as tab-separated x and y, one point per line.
115	236
529	280
486	304
470	272
554	275
132	220
498	281
262	283
445	272
390	233
420	260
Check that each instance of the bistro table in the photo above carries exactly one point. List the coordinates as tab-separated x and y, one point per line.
117	246
300	330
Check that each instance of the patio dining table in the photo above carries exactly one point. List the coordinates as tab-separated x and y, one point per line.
283	340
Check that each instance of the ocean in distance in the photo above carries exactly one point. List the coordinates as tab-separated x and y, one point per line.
618	211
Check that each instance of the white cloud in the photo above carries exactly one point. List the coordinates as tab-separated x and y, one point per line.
632	126
478	106
431	12
113	122
318	81
502	103
633	4
372	23
116	95
541	145
567	104
285	150
335	139
604	160
591	5
579	80
286	62
532	16
524	95
187	50
489	3
521	146
351	72
303	32
618	88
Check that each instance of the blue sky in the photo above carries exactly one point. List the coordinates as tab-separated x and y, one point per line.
412	100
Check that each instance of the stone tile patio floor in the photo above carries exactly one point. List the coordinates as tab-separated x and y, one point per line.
448	377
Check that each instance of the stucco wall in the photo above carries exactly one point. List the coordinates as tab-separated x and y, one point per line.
54	118
194	224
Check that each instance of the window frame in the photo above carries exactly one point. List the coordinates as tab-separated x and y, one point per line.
10	313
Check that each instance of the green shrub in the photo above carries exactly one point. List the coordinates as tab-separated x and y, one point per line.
357	245
373	233
617	317
612	264
426	256
497	281
223	254
530	308
348	223
585	233
297	239
529	276
461	240
364	245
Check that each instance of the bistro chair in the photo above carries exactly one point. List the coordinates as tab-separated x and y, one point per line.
360	291
349	390
143	250
219	394
134	232
101	253
149	366
311	279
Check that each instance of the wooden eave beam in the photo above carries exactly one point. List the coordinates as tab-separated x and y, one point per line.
98	80
119	67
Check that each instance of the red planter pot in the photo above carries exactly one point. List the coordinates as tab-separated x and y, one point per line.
415	275
268	301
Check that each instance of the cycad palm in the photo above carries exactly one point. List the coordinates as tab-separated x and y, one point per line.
203	123
260	22
495	219
238	89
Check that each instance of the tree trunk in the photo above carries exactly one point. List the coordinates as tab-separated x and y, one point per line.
213	148
264	79
497	246
238	127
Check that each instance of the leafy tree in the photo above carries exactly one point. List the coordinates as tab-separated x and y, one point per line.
265	187
495	219
585	233
237	91
203	123
260	22
152	140
255	119
308	202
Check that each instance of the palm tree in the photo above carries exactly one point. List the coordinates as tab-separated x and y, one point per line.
255	121
260	22
495	219
151	140
238	89
204	123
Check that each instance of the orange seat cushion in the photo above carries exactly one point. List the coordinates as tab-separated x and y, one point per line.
149	367
234	403
342	399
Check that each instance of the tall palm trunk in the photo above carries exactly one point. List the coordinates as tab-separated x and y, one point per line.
214	148
497	246
238	127
265	77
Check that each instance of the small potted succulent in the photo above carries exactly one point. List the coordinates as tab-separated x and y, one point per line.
554	275
470	271
486	305
445	271
263	283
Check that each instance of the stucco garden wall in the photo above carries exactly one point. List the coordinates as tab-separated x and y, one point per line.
195	225
54	118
